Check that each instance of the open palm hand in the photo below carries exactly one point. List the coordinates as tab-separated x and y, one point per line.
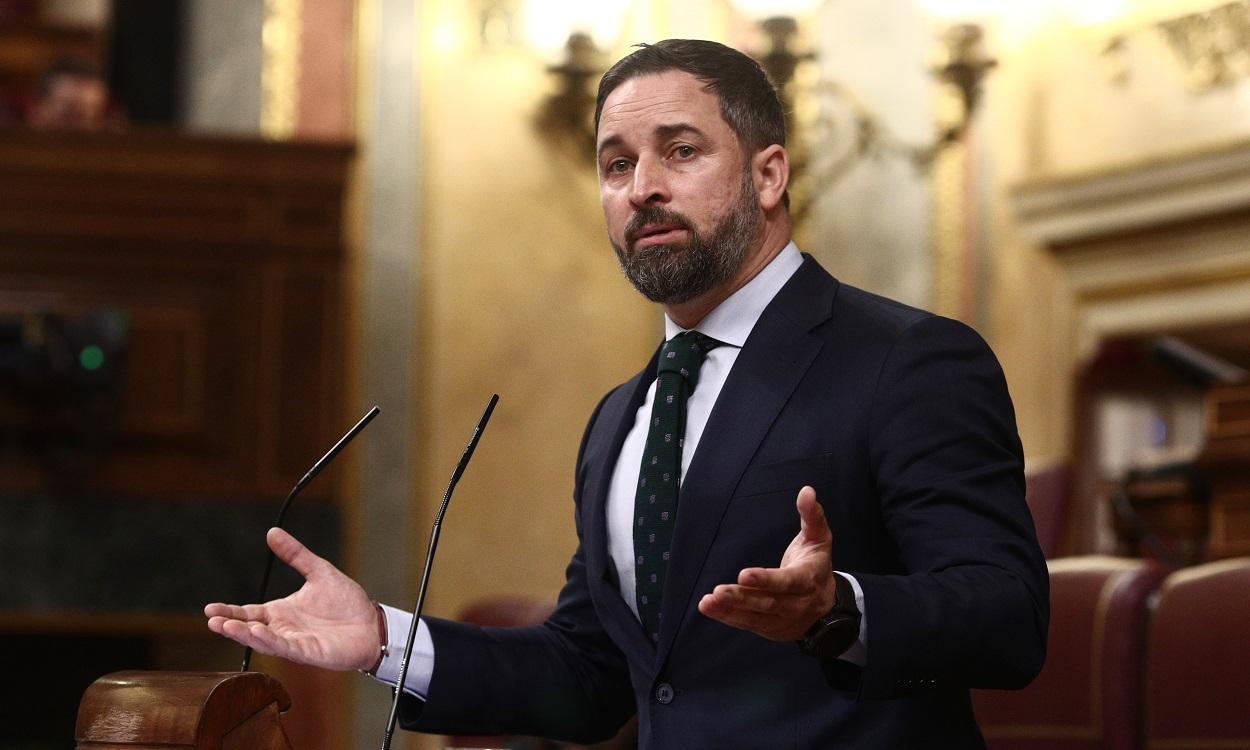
330	622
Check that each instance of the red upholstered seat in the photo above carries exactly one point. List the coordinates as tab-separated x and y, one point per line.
1198	663
1048	491
1088	695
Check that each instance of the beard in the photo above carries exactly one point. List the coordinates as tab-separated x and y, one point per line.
678	272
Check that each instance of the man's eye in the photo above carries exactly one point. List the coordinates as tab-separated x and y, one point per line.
618	166
683	152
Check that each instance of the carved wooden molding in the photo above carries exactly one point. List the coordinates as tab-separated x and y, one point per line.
1148	246
1070	209
170	188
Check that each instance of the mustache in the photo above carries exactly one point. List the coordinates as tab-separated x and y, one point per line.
653	215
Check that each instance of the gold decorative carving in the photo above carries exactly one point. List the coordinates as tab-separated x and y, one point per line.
280	37
1214	45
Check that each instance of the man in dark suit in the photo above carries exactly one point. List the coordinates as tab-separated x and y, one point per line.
699	596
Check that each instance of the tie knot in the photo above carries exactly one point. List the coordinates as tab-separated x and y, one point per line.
684	354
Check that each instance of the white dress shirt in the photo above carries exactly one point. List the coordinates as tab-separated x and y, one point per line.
730	323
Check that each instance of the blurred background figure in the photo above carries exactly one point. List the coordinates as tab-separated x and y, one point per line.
73	95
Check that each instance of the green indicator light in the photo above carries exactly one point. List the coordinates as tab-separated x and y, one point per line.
91	357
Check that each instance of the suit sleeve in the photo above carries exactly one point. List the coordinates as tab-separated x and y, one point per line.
972	605
564	679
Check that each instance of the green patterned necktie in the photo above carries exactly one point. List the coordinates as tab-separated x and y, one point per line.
655	505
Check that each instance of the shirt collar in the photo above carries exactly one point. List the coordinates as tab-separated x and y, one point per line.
732	320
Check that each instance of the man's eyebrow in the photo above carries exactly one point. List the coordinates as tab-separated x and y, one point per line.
609	142
668	131
661	132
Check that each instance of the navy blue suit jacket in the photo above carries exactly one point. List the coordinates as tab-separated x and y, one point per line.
902	422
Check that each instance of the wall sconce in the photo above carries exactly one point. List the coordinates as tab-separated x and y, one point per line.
962	68
585	31
565	116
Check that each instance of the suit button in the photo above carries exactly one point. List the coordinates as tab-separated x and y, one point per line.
664	693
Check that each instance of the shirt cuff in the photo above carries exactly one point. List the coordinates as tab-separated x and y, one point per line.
420	667
857	654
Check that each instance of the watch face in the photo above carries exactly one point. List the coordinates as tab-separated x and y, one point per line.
835	637
834	633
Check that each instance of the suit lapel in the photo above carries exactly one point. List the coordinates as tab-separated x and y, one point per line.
773	361
616	417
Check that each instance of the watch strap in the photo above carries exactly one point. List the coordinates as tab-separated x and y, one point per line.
838	629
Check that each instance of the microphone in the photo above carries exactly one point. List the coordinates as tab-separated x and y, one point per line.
300	485
429	561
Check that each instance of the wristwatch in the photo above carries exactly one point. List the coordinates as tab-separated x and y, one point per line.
837	629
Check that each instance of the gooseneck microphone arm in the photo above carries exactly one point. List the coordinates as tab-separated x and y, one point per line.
429	561
286	505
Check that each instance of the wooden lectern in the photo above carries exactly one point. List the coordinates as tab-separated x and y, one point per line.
196	710
1202	511
1225	462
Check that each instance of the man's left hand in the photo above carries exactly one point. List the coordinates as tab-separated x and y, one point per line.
782	603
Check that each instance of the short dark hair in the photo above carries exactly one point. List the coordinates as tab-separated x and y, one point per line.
748	101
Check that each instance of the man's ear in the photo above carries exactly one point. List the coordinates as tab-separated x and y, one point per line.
770	168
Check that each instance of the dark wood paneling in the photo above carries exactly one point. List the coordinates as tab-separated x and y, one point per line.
1225	460
227	257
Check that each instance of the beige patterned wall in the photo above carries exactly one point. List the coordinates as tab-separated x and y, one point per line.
519	294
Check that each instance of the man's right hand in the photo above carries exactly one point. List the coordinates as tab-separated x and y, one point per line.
330	622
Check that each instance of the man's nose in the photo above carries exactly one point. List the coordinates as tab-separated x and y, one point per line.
650	185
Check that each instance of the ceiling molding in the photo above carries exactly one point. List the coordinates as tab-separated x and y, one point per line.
1068	210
